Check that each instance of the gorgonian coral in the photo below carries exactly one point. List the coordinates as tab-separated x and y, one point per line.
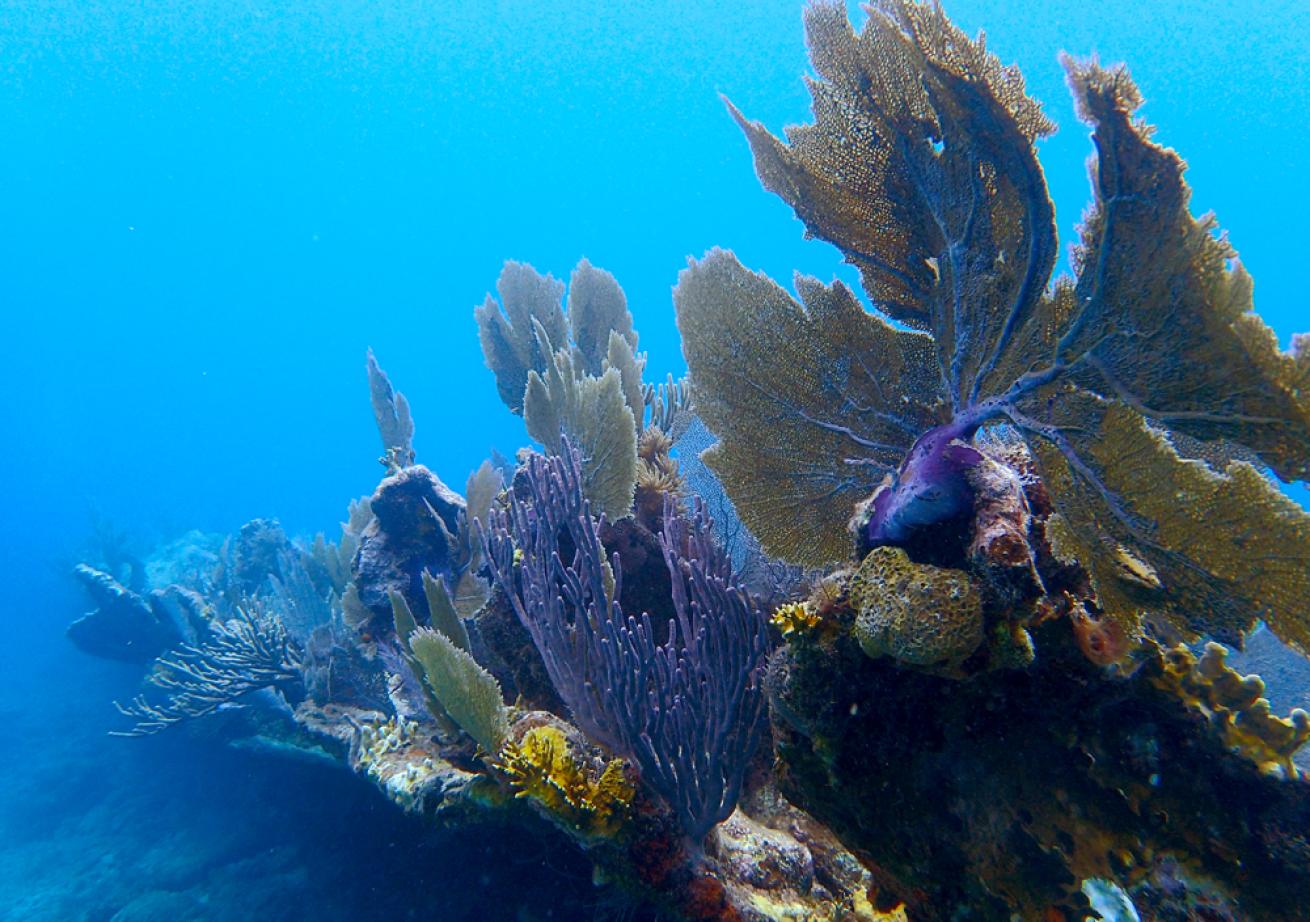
680	699
565	402
391	413
1152	397
578	376
508	331
244	654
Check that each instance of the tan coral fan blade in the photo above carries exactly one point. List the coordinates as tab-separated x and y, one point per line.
1166	322
594	415
920	167
598	309
467	691
510	344
813	404
1209	552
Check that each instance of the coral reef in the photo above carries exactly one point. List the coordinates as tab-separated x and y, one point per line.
391	753
771	580
415	520
249	558
1151	346
334	560
987	517
123	625
1171	893
1000	795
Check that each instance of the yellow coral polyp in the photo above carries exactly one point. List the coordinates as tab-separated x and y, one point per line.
654	446
655	478
795	618
1235	704
542	766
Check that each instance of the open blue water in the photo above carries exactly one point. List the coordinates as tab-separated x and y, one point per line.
208	211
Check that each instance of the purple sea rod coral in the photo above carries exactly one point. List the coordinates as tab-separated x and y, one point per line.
688	711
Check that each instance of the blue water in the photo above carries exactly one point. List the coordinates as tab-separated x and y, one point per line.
209	211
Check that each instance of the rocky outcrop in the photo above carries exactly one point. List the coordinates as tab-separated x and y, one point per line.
123	625
416	519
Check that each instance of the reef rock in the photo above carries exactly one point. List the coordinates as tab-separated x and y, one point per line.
123	626
256	553
415	516
183	608
190	560
1007	791
764	858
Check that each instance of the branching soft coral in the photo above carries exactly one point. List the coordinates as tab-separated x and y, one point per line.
1151	395
680	699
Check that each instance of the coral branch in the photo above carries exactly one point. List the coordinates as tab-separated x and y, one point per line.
245	654
391	412
686	711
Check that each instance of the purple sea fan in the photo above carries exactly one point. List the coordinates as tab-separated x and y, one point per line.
687	711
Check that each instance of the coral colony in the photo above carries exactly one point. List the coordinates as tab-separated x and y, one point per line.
941	657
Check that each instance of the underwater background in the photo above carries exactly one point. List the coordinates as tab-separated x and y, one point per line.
208	212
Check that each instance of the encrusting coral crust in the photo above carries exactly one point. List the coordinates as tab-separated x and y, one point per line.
541	765
1236	706
915	613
